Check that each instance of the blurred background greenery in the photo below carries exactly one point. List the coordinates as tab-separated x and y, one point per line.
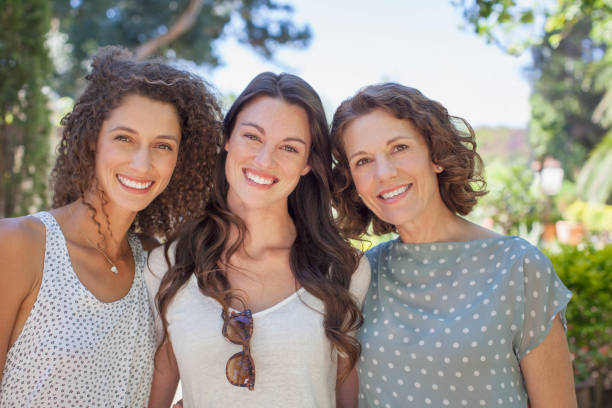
549	183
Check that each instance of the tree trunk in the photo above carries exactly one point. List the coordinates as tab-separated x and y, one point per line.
183	24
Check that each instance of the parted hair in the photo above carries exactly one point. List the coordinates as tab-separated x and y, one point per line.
115	74
321	261
450	141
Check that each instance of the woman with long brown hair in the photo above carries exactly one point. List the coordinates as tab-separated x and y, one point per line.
260	302
135	157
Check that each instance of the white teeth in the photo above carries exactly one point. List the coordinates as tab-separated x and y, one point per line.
394	193
134	184
258	179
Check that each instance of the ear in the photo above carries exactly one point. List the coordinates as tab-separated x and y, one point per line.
437	168
225	147
305	170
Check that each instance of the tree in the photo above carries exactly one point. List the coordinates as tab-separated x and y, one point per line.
184	29
24	117
572	73
567	88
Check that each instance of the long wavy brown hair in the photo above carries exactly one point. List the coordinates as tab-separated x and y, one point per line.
321	261
114	75
450	140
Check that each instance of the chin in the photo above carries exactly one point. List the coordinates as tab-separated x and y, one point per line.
397	218
133	205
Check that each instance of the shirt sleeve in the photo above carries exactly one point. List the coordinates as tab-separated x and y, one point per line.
544	297
155	270
360	281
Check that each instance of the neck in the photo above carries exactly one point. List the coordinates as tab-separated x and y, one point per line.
266	228
106	231
437	224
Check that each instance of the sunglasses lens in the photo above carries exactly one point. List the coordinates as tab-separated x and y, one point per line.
239	328
240	370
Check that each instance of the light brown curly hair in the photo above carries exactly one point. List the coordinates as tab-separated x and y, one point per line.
114	75
450	141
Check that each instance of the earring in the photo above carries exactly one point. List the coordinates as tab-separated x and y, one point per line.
439	168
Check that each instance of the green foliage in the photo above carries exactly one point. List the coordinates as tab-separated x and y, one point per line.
513	202
503	22
595	217
572	74
24	117
587	272
89	24
566	92
594	183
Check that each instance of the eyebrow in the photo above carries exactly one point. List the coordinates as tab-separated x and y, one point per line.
390	141
287	139
130	130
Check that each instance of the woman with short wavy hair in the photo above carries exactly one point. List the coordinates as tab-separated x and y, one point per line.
456	314
135	158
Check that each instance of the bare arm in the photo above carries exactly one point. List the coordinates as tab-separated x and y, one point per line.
20	273
346	391
165	377
547	370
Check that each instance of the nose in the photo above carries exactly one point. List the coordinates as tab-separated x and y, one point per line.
385	169
264	157
141	160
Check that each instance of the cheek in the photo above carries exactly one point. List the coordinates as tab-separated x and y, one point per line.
103	160
360	180
167	165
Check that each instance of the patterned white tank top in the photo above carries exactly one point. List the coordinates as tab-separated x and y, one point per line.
75	350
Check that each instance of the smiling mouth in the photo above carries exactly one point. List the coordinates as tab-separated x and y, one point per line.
388	195
133	184
264	181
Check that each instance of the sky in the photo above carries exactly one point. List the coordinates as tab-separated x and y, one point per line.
416	43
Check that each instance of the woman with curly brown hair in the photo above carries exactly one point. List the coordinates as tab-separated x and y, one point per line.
456	314
260	303
136	155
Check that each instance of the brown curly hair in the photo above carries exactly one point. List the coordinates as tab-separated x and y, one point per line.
450	141
114	75
322	261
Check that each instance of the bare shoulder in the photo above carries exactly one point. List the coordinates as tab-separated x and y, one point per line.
21	235
22	249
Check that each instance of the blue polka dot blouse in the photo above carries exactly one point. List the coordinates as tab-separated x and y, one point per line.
447	324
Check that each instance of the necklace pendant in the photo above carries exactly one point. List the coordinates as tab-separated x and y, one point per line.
114	269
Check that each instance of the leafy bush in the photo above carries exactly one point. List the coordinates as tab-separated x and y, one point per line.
514	203
596	217
587	272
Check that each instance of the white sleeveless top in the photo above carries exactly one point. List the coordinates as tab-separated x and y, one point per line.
75	350
295	364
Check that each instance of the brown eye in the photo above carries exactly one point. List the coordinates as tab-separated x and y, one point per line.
122	138
361	162
400	147
289	148
251	136
165	146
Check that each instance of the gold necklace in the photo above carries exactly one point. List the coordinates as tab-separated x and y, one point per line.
113	268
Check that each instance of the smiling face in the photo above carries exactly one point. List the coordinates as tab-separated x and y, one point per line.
267	153
391	167
136	151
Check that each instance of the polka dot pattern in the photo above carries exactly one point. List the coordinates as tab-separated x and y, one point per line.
446	324
76	351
